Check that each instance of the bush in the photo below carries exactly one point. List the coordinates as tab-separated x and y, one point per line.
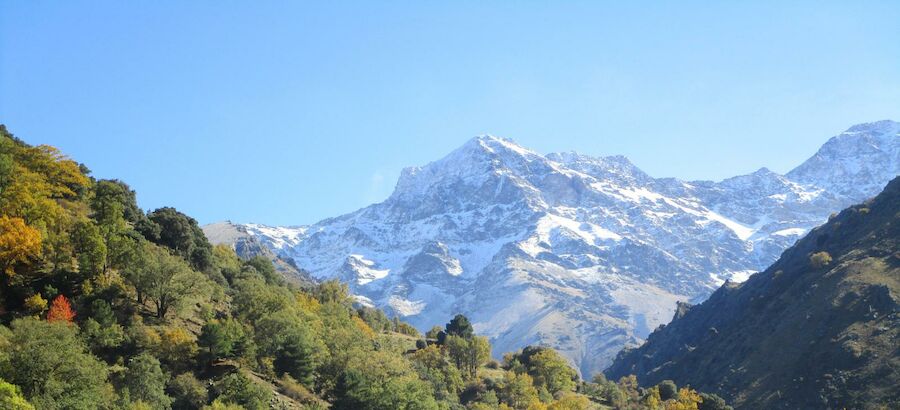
177	348
239	389
222	339
820	260
712	402
667	390
146	382
221	405
293	389
11	397
188	392
407	329
35	304
292	344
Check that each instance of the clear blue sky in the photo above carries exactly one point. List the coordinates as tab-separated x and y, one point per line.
286	113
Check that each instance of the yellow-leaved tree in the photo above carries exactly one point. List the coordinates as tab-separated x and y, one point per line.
19	243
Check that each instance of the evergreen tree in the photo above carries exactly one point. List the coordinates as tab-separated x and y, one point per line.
461	327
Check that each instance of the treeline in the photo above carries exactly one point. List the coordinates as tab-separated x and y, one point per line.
104	306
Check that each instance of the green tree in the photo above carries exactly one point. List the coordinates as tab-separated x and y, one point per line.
571	401
177	348
226	266
445	378
108	207
433	332
712	402
90	248
11	397
114	199
460	326
468	354
292	344
379	380
221	405
265	268
145	382
333	291
518	390
667	390
182	234
628	386
165	279
550	370
222	339
236	388
188	392
101	329
253	299
48	361
375	318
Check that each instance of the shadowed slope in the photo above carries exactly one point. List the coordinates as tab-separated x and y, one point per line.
802	334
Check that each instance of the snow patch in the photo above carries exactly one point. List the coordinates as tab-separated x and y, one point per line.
406	307
790	232
365	272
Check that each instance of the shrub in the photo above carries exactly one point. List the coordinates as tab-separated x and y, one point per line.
11	397
407	329
667	390
36	304
712	402
222	339
293	389
177	348
188	392
238	389
146	381
820	259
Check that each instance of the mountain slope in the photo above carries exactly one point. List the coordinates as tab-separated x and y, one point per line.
584	254
798	335
248	246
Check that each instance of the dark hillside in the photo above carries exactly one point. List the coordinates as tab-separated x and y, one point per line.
818	329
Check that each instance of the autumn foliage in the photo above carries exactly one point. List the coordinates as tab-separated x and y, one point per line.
60	310
19	243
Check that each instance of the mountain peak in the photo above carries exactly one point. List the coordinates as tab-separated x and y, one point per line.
477	162
849	163
497	145
880	127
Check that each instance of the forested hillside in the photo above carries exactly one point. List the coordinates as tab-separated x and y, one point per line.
104	306
818	329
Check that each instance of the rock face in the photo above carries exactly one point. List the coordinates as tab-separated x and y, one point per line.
248	246
801	334
584	254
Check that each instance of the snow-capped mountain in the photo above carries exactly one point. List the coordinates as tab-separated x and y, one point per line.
584	254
